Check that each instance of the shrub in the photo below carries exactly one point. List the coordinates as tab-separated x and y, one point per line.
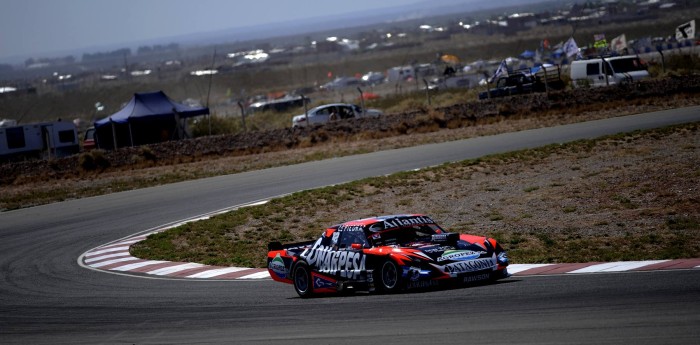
93	160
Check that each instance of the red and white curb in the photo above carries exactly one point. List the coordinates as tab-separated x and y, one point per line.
602	267
115	257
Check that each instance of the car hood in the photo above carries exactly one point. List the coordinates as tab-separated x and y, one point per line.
461	252
442	253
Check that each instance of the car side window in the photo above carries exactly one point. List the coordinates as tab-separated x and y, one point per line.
348	238
593	69
345	112
323	111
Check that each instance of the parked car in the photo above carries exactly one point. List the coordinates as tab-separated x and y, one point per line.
278	105
340	83
373	78
332	112
386	254
89	139
604	71
529	80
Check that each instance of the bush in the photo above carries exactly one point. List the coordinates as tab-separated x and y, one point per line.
93	160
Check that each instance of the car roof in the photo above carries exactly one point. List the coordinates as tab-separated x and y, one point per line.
332	104
407	218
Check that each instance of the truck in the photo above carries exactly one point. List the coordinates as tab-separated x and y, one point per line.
605	71
529	80
38	140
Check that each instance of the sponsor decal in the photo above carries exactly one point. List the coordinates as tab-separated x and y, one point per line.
468	266
350	228
459	255
413	273
476	278
422	284
322	283
398	222
277	266
347	264
437	249
440	237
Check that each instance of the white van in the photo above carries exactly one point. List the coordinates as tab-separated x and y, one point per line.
607	71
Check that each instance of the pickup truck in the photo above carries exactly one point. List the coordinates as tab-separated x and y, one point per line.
526	81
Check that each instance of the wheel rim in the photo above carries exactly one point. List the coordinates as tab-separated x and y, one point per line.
301	280
389	275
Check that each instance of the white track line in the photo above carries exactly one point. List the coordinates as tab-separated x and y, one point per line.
217	272
109	262
108	256
110	250
259	275
136	265
174	269
515	268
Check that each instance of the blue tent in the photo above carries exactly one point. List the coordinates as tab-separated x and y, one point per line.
148	118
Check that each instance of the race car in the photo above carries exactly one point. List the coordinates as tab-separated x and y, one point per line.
385	254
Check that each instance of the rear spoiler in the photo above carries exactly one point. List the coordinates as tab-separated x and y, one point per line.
275	245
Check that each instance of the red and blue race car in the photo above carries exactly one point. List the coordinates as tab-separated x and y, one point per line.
385	254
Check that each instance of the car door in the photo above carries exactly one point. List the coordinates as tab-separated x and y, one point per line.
346	112
350	254
320	115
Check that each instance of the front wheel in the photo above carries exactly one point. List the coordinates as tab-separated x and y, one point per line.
389	277
301	275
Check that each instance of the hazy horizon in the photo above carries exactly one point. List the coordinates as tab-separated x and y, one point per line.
36	27
54	28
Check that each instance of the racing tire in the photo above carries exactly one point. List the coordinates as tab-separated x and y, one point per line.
389	280
301	276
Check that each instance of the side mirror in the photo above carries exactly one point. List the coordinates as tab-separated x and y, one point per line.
356	246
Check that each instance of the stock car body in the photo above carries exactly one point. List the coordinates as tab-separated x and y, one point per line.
385	254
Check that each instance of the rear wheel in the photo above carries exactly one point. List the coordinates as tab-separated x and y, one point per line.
301	275
389	277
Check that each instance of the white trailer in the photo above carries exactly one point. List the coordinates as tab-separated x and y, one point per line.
38	140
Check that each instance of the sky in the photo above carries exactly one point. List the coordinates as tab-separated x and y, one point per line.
38	27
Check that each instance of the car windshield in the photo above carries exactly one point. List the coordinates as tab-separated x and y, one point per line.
405	236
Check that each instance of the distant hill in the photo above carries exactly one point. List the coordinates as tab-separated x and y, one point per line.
420	9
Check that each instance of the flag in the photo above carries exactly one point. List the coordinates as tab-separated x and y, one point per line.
618	43
642	45
502	68
685	31
570	48
599	41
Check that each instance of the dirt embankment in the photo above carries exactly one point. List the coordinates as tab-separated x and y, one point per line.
672	91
